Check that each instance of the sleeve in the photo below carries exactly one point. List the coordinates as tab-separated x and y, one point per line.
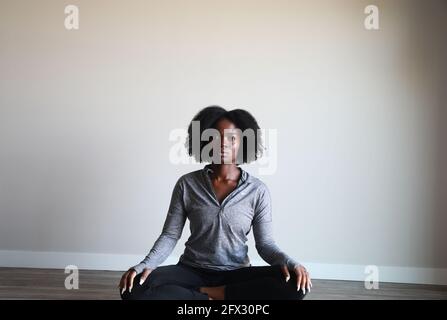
171	233
263	232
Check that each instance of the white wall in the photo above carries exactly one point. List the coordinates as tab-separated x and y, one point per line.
85	116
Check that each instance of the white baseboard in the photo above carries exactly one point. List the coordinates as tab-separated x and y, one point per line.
120	262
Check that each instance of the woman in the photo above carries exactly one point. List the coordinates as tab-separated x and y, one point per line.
223	203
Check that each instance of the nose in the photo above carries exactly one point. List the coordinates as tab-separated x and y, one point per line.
226	141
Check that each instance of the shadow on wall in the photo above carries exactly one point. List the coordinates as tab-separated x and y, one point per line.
440	221
426	51
441	207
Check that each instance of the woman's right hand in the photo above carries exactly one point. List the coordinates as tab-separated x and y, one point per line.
126	281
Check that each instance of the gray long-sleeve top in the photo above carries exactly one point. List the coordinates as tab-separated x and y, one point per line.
218	230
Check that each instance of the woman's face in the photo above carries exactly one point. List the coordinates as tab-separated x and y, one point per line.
229	141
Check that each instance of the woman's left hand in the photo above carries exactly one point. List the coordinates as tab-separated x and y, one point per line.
302	277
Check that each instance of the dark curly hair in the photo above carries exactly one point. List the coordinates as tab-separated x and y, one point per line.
208	118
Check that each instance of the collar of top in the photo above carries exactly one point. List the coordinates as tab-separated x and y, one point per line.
244	174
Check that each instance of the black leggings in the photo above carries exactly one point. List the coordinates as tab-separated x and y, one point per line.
182	282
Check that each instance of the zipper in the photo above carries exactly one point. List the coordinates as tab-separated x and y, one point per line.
227	198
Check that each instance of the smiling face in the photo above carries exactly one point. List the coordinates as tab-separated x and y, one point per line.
229	140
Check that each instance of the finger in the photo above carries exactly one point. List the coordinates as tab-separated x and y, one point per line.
298	281
130	280
144	276
286	273
307	285
120	284
123	288
122	281
308	281
303	280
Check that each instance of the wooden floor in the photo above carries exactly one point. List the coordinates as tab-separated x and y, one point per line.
24	283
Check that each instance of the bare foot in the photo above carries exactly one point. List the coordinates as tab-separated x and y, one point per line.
214	293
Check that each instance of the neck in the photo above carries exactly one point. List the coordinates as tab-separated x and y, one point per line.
225	171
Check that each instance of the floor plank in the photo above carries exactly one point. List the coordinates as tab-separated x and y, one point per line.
28	283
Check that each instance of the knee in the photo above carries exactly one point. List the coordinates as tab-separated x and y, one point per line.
156	278
136	291
293	294
285	290
126	295
299	295
140	291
